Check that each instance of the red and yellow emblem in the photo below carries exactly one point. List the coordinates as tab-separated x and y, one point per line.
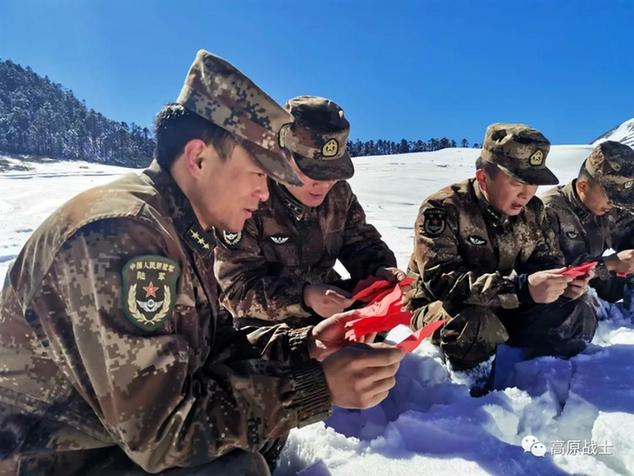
149	290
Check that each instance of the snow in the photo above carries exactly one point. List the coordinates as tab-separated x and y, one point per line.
429	424
623	133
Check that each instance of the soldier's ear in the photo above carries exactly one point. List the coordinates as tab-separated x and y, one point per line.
193	155
582	186
481	178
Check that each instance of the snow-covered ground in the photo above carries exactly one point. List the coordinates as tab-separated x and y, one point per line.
623	133
579	412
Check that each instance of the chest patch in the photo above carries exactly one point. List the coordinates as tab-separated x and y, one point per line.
572	234
149	290
230	238
434	221
279	239
476	240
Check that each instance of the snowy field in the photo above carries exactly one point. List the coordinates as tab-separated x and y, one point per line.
546	417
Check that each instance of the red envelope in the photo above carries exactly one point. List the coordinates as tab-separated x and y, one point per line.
419	336
379	316
368	289
373	289
580	270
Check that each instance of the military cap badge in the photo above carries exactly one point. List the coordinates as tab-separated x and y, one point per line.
330	148
536	159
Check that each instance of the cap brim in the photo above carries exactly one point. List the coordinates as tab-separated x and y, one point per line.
623	200
535	176
276	165
320	169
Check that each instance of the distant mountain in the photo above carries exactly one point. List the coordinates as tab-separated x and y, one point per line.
42	118
623	133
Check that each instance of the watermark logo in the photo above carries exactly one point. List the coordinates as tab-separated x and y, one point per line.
531	444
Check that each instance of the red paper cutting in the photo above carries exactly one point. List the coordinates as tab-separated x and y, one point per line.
419	336
581	270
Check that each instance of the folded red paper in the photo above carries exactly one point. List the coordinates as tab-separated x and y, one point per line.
419	336
383	312
580	270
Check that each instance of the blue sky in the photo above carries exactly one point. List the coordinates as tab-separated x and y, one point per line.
400	69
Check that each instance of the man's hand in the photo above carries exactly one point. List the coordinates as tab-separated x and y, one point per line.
546	286
393	275
578	286
329	335
326	300
361	376
621	262
358	375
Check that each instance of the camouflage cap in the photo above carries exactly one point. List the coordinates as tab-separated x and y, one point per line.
520	151
318	138
612	165
217	91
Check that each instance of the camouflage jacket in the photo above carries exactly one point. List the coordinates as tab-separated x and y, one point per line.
109	336
466	253
582	235
286	245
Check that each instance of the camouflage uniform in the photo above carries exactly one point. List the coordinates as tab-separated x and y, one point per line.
471	263
112	354
287	245
584	236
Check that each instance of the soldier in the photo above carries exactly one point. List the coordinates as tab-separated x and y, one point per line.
593	213
280	268
112	354
485	261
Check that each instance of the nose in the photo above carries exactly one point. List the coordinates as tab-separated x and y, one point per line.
262	192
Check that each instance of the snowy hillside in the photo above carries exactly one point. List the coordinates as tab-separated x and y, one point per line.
546	417
623	133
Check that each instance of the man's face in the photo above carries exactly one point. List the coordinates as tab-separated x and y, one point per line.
313	192
594	198
505	193
227	192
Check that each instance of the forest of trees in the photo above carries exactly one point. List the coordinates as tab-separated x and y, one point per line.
39	117
387	147
42	118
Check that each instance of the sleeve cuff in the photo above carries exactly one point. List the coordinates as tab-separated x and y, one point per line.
311	399
601	270
298	343
523	294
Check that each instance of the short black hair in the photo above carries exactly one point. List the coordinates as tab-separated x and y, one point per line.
489	168
176	125
585	175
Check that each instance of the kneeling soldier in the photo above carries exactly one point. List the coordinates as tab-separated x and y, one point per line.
486	262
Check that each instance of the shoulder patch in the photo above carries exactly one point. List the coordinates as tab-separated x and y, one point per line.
434	221
477	240
572	234
279	239
230	238
149	290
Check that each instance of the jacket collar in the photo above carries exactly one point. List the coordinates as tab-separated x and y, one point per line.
297	209
569	192
180	210
497	219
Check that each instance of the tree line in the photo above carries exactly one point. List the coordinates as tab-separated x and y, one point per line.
360	148
42	118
